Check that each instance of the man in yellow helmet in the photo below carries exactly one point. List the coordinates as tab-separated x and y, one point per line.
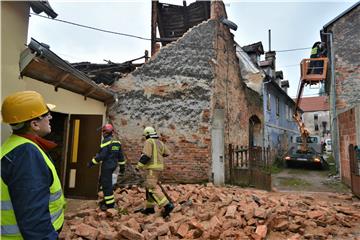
152	161
32	201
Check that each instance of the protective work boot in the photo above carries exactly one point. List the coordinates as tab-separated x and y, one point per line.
105	207
147	211
167	210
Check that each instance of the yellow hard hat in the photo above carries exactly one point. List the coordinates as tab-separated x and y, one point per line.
23	106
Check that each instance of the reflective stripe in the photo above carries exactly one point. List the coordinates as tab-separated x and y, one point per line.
122	163
6	205
94	161
155	156
9	229
55	196
109	201
105	144
56	215
109	197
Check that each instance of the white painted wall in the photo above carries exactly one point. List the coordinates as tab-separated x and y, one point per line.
217	147
14	29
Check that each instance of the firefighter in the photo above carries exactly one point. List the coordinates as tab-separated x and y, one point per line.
110	156
152	161
318	50
32	201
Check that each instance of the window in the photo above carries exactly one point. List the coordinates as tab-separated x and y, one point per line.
268	105
316	125
277	106
290	113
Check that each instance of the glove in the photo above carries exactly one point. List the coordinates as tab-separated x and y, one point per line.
90	164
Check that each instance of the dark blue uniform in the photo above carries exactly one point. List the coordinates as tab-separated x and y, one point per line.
110	155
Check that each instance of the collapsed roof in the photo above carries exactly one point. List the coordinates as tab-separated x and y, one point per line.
109	72
174	20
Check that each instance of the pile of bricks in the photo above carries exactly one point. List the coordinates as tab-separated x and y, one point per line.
209	212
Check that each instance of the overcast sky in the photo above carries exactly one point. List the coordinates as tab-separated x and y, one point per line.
293	24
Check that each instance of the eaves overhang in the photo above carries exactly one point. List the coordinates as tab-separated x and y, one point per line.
39	63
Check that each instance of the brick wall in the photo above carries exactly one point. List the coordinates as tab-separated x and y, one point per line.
177	92
347	136
346	32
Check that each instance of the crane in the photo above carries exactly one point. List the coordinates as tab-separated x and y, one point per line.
313	71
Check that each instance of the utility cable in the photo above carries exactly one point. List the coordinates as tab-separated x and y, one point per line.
294	49
134	36
93	28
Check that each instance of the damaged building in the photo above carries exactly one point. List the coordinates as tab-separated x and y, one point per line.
192	92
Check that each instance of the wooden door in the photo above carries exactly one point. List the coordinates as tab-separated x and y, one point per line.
84	143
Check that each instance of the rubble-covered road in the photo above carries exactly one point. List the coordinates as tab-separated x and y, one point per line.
209	212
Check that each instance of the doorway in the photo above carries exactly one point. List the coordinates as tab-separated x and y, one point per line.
84	140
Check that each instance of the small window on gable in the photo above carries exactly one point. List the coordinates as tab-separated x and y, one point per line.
268	105
277	106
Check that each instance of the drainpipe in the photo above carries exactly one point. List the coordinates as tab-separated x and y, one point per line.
333	120
264	107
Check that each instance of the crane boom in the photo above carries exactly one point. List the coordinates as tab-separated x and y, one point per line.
307	78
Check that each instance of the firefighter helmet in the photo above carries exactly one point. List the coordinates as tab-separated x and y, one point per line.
23	106
150	132
107	128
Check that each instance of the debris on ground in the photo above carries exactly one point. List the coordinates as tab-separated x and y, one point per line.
210	212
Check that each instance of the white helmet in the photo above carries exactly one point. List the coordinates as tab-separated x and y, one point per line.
150	132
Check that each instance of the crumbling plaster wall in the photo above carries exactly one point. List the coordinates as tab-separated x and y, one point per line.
177	93
172	92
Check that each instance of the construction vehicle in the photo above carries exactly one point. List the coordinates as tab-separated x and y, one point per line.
308	148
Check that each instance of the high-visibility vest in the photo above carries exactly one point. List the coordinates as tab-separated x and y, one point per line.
155	162
9	227
314	50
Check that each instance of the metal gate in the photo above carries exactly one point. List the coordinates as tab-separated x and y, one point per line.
250	166
354	154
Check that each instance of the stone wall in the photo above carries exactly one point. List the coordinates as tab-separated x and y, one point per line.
348	130
346	32
177	92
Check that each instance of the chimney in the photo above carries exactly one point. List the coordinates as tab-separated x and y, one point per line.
271	56
217	10
285	85
278	77
269	62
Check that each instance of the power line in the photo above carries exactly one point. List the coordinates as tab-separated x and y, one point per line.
93	28
134	36
294	49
